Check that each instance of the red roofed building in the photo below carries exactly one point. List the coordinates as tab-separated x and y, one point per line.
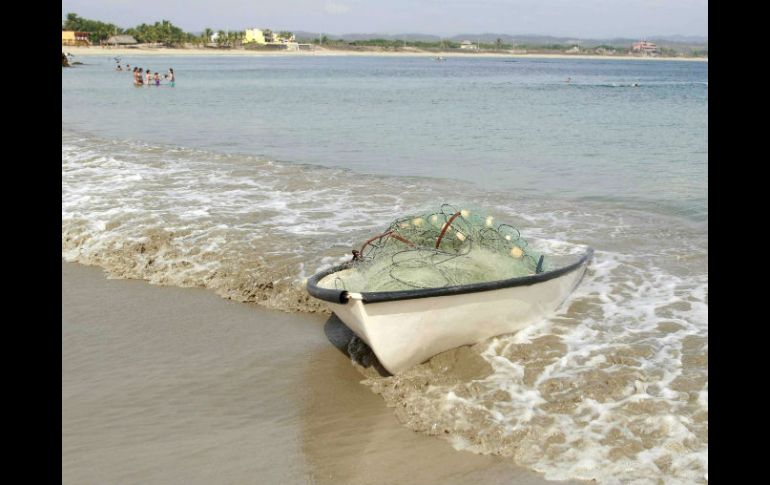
645	47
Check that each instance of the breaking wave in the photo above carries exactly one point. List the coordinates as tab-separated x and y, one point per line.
614	387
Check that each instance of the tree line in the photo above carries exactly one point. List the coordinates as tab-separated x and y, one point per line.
163	32
159	32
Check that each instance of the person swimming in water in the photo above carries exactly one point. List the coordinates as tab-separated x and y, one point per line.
148	77
138	76
157	79
170	76
118	68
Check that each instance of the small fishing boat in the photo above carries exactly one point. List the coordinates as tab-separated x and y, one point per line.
408	326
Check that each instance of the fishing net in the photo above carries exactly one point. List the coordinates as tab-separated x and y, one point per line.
447	247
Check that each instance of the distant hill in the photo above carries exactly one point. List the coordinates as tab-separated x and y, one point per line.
352	37
533	39
685	39
673	40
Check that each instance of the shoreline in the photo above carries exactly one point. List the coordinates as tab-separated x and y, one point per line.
163	384
165	51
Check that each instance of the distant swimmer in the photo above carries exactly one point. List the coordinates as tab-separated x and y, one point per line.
171	77
157	79
119	68
138	76
569	80
636	85
148	77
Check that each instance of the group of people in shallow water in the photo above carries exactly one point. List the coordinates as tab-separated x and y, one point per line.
146	78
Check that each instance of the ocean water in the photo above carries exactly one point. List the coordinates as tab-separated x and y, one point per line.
253	173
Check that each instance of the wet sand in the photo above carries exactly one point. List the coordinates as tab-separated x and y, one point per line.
173	385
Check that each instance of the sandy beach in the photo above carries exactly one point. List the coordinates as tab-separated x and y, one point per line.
170	385
148	51
201	358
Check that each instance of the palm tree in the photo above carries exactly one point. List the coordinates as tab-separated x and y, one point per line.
499	43
73	22
207	32
141	33
165	31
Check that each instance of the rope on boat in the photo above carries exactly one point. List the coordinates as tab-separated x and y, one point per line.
442	248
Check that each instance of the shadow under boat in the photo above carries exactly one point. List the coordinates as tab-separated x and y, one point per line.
352	346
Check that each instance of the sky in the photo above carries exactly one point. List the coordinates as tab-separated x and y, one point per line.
563	18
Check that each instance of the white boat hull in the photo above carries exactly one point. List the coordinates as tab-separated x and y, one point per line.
406	332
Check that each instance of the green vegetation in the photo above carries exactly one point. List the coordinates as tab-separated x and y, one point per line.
667	52
497	46
227	39
383	44
545	47
207	33
221	38
99	30
324	40
160	32
164	32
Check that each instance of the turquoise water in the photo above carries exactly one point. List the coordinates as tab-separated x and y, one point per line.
507	124
254	173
